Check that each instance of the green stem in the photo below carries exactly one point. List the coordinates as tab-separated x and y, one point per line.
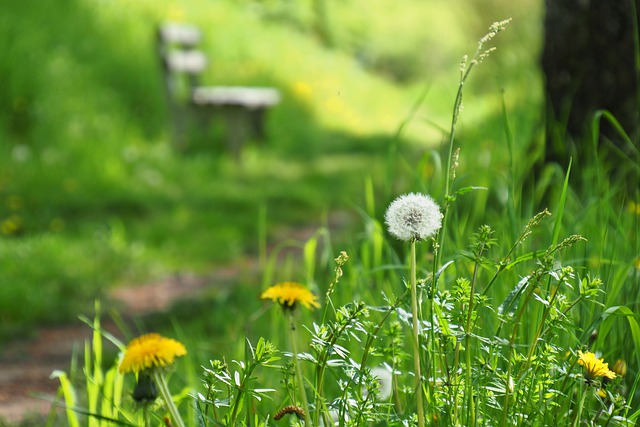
471	418
321	364
611	415
450	143
456	386
434	344
541	325
298	377
512	340
163	388
236	404
432	335
576	422
145	414
243	388
416	335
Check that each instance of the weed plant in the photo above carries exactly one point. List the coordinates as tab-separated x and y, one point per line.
505	324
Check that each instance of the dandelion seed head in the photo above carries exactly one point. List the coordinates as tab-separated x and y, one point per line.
413	216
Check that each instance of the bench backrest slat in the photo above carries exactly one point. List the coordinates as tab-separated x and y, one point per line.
182	62
181	34
190	62
182	65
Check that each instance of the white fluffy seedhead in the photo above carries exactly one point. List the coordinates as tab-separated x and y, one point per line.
413	216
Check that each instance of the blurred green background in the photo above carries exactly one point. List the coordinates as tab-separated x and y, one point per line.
94	196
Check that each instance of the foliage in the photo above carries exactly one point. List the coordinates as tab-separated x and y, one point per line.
505	316
90	186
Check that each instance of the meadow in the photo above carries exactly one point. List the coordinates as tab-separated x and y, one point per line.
533	270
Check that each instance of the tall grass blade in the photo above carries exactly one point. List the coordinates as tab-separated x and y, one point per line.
563	200
632	394
607	323
369	197
109	336
70	398
96	382
262	236
98	417
309	250
595	132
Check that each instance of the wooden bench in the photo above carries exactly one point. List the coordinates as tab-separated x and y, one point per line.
241	108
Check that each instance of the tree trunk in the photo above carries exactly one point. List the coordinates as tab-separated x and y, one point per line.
589	63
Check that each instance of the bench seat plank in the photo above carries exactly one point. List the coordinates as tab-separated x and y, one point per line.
190	62
249	97
242	109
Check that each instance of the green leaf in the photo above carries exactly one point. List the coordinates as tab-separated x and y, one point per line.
69	394
525	257
441	270
464	190
511	301
606	321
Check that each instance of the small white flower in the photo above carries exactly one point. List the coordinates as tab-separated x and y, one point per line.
385	382
413	216
335	418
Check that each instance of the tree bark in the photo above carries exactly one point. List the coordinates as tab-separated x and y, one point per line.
589	62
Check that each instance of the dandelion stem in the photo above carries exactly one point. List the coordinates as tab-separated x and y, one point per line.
416	335
145	414
298	377
163	389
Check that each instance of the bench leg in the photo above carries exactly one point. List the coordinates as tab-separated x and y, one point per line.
257	120
179	127
240	124
237	128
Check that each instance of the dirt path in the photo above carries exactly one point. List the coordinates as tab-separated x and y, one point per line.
25	370
26	388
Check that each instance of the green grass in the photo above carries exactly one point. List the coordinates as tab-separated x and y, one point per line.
93	196
86	162
522	360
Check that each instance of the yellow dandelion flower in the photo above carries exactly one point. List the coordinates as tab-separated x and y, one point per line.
620	368
594	367
633	208
150	351
11	226
335	105
176	13
303	90
287	294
